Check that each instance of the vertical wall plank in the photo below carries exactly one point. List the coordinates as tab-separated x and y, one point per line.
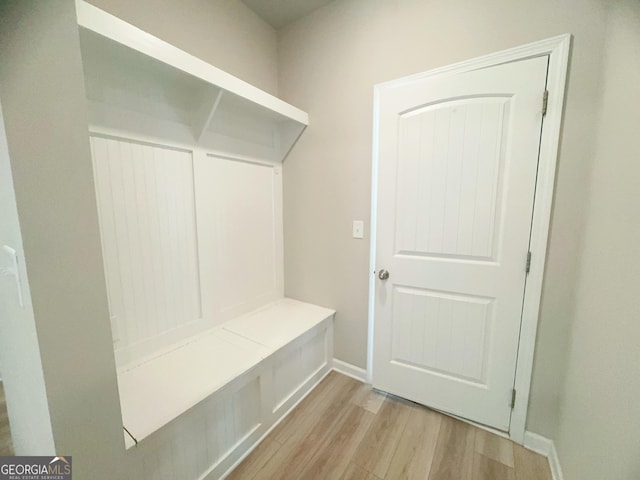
147	219
239	235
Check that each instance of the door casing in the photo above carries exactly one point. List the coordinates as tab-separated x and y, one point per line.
557	48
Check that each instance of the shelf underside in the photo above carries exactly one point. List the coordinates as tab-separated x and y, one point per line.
128	91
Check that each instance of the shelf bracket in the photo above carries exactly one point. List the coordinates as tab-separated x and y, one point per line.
206	114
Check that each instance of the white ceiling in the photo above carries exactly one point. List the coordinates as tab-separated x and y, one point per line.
279	13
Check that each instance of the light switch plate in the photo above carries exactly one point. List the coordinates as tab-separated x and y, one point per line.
358	229
13	270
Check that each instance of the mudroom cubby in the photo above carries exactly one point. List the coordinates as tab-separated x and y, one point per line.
187	166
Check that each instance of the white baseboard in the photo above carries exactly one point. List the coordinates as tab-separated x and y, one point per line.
545	446
554	463
537	443
350	370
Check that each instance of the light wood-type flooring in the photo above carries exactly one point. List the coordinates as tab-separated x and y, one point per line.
6	447
346	431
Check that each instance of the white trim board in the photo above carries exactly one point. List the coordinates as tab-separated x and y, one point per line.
547	448
557	49
349	370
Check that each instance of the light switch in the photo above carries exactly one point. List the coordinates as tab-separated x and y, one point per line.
358	229
13	270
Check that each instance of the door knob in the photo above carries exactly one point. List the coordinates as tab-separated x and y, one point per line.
383	274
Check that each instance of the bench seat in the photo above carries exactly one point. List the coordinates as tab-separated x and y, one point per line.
265	344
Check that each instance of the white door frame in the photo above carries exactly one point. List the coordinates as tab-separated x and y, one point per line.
557	48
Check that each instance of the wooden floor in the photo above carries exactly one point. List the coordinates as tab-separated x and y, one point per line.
6	447
345	431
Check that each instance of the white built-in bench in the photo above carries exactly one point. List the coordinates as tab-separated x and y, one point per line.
199	407
187	163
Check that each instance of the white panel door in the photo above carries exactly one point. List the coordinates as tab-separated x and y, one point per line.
458	158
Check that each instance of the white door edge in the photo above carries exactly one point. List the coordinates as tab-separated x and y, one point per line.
557	48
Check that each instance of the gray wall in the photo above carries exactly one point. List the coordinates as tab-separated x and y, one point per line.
22	376
599	429
42	96
329	62
225	33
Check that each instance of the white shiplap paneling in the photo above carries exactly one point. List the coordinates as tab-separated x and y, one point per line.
200	438
239	217
147	220
294	367
190	240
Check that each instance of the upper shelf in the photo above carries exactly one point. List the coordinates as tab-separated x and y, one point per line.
139	84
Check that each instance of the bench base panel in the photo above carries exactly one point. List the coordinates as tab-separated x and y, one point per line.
210	439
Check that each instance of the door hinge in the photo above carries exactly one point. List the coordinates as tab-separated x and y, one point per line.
545	101
528	266
513	398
